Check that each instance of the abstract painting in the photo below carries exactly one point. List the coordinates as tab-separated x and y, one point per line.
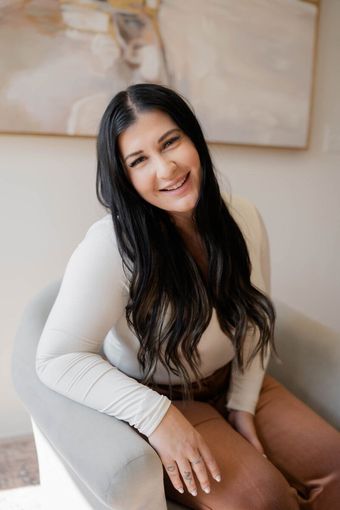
246	66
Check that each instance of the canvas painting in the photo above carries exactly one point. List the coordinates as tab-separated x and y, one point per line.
246	66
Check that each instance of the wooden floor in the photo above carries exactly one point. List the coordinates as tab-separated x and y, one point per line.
18	462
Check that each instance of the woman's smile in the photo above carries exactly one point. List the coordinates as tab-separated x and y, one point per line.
180	186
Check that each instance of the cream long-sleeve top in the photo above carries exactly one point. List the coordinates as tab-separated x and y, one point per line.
87	352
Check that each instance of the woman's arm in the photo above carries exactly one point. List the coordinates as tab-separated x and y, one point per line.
91	300
245	388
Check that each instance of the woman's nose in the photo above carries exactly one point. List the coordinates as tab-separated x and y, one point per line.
165	168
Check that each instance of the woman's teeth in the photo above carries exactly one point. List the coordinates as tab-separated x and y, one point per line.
177	185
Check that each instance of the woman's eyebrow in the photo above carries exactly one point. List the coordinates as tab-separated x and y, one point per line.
167	133
159	140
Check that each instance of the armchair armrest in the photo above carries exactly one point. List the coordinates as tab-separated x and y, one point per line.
310	368
105	456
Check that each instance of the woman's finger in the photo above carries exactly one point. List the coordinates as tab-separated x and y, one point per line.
199	467
173	473
209	460
187	475
244	423
254	440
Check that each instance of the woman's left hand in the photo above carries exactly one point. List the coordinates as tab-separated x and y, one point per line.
243	422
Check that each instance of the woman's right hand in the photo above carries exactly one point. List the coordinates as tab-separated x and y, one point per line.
183	450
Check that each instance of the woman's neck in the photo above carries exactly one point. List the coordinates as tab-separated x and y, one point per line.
195	246
186	226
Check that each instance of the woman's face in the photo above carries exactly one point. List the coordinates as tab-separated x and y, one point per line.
162	163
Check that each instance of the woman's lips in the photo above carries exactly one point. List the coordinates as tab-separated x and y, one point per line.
181	189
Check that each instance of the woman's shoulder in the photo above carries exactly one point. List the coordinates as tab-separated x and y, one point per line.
96	255
102	229
250	222
98	244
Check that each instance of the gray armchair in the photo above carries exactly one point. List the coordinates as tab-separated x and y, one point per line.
89	460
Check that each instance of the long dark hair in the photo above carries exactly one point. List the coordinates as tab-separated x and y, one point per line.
170	305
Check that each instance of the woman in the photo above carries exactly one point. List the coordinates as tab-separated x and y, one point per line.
163	320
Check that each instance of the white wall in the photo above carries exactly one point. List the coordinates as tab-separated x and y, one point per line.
48	201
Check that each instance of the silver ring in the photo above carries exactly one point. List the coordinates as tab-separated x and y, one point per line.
196	461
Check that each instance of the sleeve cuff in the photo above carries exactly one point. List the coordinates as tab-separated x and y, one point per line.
157	409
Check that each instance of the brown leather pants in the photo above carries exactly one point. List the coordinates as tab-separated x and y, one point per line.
302	469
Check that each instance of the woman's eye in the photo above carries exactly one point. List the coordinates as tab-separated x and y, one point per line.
165	145
136	161
171	141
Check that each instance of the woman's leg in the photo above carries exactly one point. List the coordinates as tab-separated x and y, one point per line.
249	481
303	446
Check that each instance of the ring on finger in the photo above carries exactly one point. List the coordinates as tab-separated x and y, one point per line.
196	461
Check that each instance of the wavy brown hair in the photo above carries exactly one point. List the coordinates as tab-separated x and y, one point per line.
170	304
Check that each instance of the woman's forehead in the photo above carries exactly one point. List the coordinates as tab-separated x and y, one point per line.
148	128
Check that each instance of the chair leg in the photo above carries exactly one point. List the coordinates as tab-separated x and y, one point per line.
57	488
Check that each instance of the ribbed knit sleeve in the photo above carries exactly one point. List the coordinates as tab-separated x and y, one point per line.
245	388
69	357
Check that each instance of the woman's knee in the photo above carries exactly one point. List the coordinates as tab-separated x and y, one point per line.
276	498
265	489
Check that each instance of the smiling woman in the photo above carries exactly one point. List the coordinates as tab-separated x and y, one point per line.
164	320
167	169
